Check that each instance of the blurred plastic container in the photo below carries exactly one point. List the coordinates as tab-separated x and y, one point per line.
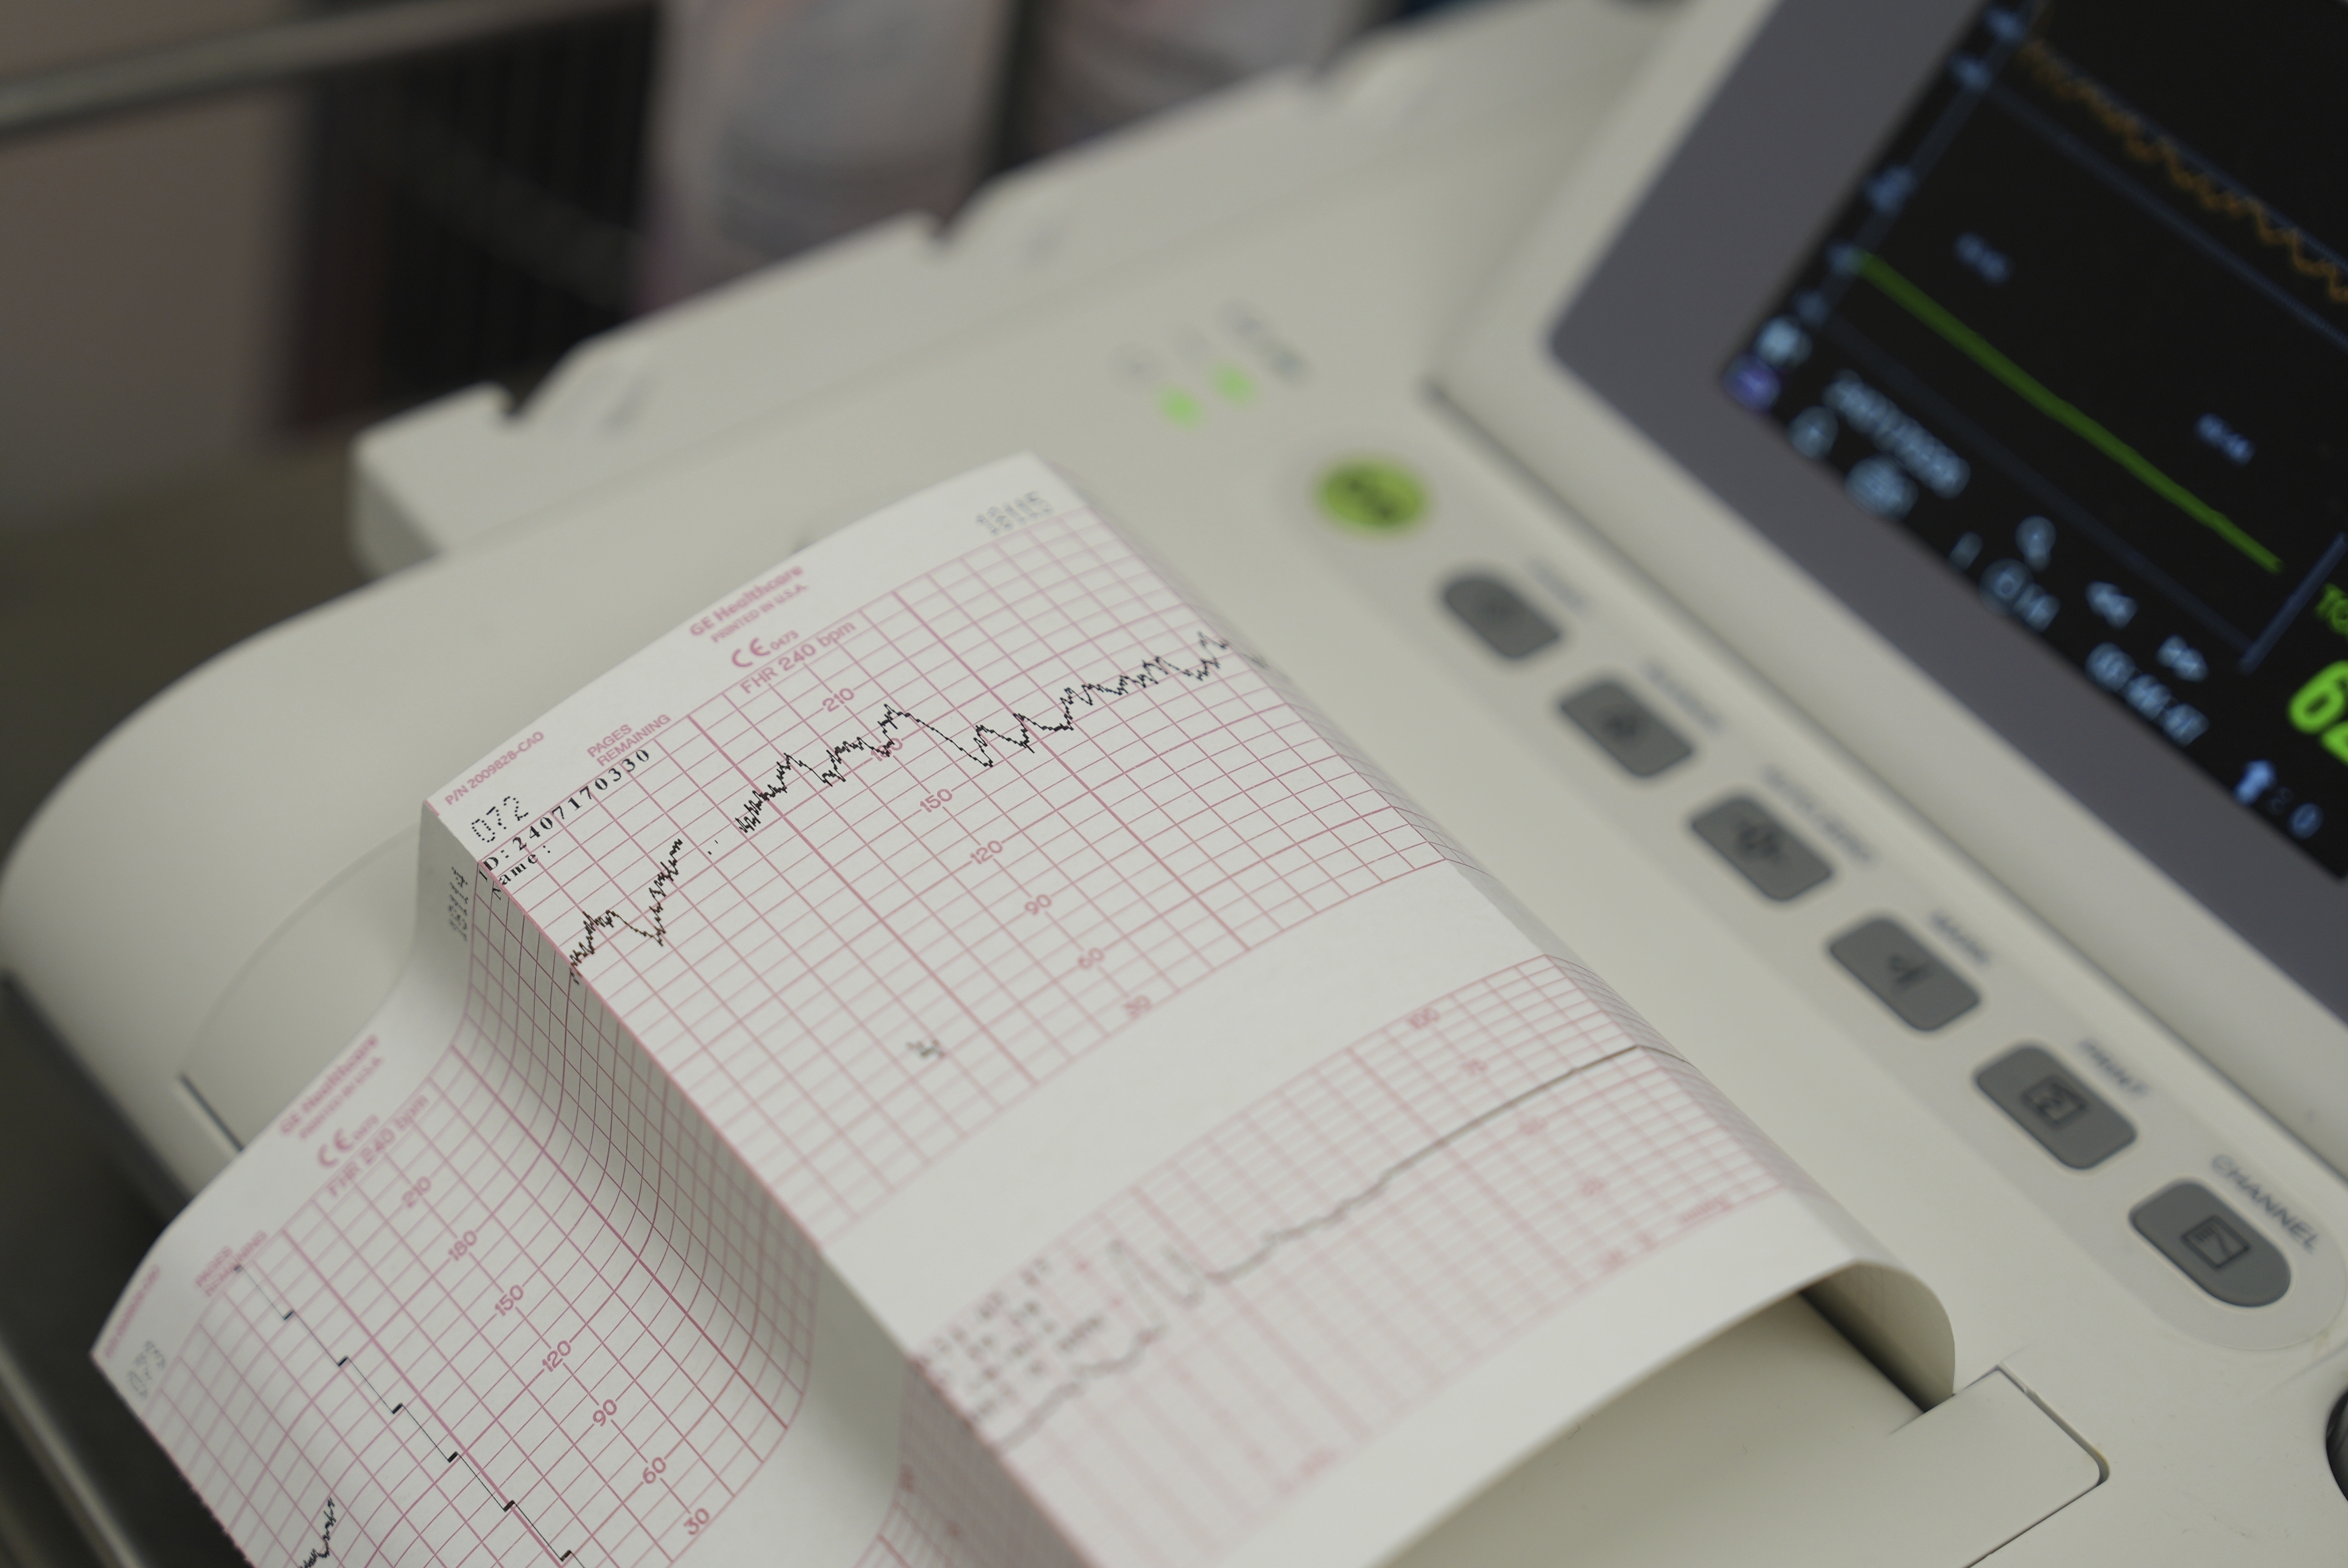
782	123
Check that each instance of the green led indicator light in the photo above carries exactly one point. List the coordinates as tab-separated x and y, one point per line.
1372	494
1234	384
1181	408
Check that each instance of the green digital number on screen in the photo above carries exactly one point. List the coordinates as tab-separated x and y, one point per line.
2321	706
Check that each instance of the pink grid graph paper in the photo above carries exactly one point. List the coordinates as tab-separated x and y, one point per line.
539	1314
955	1507
933	917
1171	1372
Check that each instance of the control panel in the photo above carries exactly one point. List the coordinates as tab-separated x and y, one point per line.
1739	802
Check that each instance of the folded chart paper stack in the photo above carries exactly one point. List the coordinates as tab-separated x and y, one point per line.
944	1060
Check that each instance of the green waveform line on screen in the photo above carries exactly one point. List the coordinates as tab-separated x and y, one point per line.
2031	390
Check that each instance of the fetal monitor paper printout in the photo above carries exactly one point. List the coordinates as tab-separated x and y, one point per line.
942	1060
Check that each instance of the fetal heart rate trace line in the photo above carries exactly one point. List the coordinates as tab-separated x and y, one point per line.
391	1407
656	904
981	750
1148	1284
325	1547
987	746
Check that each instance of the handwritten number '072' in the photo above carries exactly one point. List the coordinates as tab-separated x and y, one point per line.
507	815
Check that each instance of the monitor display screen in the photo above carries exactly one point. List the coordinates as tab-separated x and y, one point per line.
2081	329
2022	328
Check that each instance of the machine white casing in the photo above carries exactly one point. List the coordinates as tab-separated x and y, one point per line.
239	846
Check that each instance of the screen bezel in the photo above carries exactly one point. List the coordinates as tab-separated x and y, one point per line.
1743	171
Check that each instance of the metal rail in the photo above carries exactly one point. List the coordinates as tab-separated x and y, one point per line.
268	53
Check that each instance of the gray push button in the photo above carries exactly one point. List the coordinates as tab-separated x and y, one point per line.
1765	849
1909	976
1627	728
1506	621
2215	1246
2070	1121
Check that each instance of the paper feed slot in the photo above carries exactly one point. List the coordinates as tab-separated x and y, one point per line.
1777	1443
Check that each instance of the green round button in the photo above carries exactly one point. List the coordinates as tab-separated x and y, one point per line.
1372	494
